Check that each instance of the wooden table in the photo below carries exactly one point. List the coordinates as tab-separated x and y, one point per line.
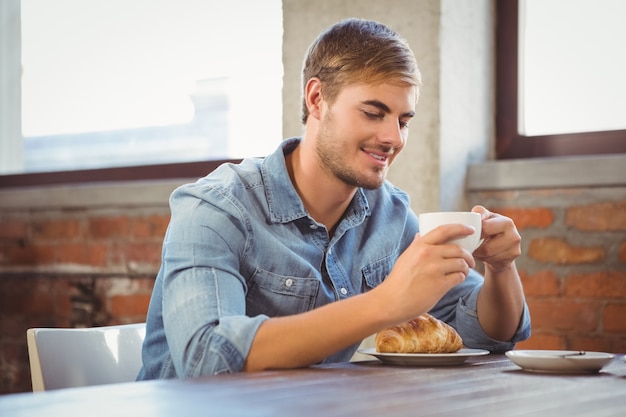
484	386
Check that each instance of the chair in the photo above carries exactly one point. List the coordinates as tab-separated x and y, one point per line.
64	358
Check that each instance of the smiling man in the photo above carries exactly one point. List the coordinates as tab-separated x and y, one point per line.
293	259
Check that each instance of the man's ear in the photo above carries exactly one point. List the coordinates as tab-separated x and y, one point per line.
313	97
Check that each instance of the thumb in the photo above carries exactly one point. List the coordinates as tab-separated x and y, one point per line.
484	213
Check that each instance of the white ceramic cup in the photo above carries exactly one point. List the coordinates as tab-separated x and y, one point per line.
430	221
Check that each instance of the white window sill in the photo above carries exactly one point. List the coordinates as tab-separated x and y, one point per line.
565	172
112	194
591	171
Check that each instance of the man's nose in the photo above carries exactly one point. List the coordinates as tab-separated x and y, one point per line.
392	134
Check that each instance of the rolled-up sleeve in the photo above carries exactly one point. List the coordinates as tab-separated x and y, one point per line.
207	333
458	308
204	309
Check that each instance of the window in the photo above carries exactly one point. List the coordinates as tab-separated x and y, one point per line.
136	84
560	85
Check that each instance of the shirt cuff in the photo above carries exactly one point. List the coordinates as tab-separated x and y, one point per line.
474	336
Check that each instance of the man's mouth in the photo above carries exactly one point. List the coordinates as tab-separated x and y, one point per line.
378	157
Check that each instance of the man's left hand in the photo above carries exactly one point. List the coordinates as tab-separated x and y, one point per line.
502	242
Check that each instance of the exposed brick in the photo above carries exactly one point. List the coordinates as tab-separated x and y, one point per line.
109	227
82	254
543	341
563	315
130	305
598	285
63	307
526	217
4	255
13	374
144	253
54	229
598	343
145	284
30	255
613	318
556	250
29	303
606	216
13	230
150	227
127	286
543	283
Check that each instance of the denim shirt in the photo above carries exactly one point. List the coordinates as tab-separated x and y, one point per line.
241	248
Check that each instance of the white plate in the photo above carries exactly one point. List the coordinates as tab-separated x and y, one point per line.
427	359
553	360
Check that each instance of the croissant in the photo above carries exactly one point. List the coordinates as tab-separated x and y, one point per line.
425	334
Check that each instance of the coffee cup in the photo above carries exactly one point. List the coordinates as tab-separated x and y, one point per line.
430	221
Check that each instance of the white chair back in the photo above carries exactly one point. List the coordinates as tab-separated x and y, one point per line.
64	358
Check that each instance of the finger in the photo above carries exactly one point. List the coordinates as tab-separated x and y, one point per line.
445	259
446	233
456	265
501	248
484	213
443	269
493	245
492	223
503	234
453	251
497	224
442	251
455	278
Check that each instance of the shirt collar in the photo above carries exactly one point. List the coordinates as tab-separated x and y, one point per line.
284	203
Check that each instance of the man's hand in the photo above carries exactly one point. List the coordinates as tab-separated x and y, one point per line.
426	270
502	243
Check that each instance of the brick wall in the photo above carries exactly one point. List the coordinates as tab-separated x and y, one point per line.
88	266
73	267
573	264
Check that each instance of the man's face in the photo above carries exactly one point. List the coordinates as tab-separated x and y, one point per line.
363	130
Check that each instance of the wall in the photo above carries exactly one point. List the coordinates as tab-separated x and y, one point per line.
452	41
418	22
572	218
87	255
70	255
75	256
466	96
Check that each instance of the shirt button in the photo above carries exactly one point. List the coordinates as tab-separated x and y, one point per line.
289	282
343	291
313	226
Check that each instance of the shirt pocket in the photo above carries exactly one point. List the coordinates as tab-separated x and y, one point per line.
280	295
376	272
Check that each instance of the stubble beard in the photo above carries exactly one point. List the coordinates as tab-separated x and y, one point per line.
331	155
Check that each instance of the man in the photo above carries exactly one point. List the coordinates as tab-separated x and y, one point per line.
293	259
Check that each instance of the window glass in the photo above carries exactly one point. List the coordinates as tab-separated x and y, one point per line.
572	66
110	83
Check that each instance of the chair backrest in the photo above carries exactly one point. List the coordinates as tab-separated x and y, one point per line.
64	358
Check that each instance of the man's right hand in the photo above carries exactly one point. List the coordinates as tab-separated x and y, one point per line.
426	270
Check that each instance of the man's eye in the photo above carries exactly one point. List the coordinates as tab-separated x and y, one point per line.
404	124
373	116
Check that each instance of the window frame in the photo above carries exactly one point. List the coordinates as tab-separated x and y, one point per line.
509	143
130	173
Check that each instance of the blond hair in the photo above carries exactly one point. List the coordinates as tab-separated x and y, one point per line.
358	51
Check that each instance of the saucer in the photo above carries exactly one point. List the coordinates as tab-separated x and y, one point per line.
560	361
